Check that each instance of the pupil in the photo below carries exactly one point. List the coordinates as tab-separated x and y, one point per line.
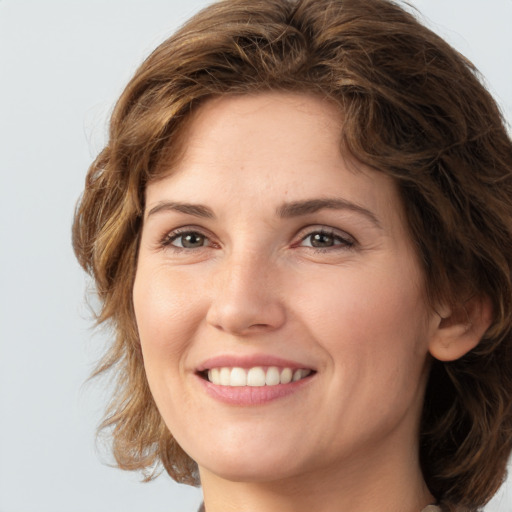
192	240
321	240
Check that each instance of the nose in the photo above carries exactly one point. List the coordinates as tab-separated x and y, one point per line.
246	297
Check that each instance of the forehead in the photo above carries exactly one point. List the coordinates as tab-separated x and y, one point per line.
260	124
270	148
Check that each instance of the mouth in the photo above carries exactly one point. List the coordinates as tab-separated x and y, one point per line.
256	376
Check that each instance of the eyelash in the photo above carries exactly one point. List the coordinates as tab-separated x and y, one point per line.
345	242
169	238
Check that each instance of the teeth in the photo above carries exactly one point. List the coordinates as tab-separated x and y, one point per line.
297	375
273	376
286	375
238	377
225	376
213	375
255	377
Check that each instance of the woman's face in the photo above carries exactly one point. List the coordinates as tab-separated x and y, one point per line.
267	255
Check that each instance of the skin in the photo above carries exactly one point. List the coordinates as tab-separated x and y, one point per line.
254	284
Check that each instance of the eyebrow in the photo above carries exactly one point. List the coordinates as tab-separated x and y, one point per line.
298	208
198	210
286	210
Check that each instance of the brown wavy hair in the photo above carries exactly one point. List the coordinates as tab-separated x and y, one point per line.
414	109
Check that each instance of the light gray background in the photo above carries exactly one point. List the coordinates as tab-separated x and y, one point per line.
62	65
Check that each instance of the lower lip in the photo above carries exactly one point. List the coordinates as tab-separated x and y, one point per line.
252	395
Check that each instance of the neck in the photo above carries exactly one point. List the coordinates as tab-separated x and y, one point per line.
387	482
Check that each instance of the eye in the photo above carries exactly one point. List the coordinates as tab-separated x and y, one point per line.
186	240
325	239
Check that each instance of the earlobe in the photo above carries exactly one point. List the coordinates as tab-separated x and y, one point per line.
460	329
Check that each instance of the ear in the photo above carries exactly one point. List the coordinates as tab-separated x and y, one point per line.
460	328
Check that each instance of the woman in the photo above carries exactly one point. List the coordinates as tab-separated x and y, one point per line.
301	229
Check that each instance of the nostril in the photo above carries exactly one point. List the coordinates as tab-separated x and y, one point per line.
258	326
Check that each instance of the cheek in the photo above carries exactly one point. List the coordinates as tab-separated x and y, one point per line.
168	313
379	313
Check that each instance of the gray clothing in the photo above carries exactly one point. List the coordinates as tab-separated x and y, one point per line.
429	508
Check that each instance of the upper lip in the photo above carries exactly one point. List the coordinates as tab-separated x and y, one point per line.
237	361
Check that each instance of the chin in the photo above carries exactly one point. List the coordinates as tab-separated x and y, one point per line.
250	463
246	469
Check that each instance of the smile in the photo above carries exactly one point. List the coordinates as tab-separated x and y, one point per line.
256	376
